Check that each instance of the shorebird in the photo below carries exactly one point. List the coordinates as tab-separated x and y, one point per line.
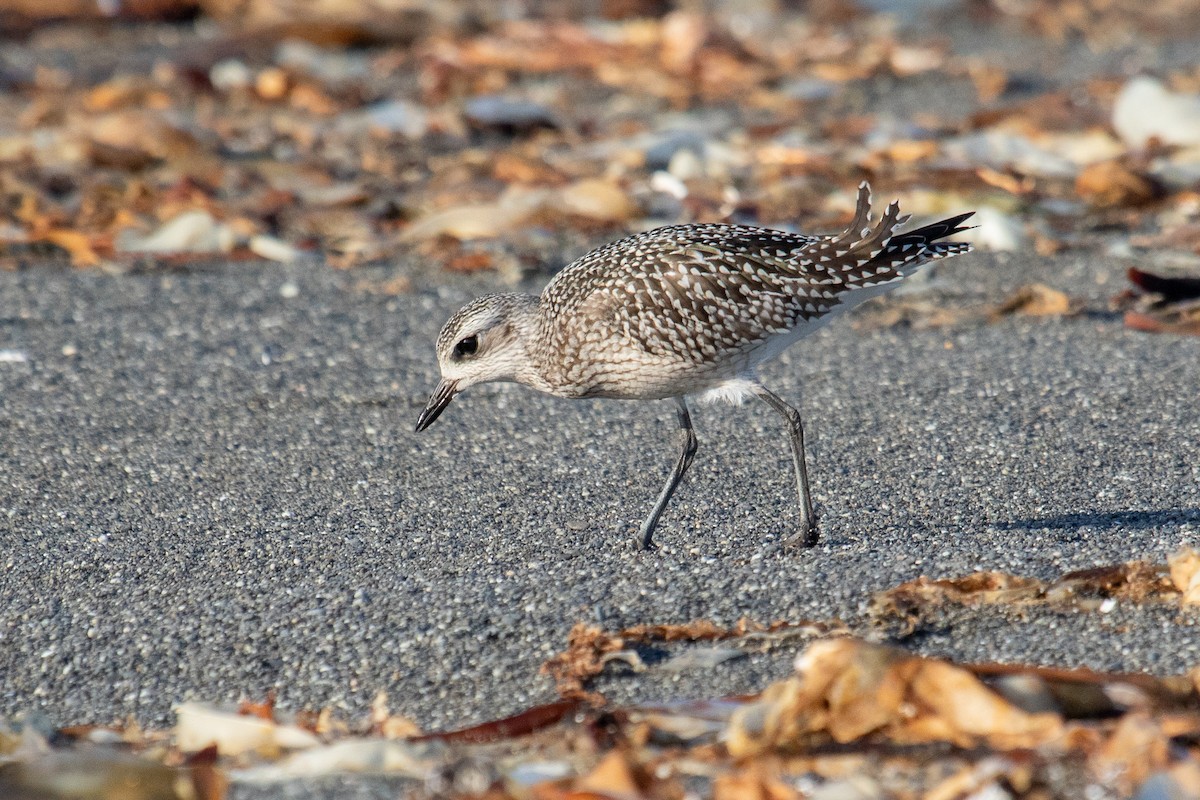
684	311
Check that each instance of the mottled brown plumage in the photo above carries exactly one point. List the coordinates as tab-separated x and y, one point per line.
685	310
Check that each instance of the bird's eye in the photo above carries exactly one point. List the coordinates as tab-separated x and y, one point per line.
466	347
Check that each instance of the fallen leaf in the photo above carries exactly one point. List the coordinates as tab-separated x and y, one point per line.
264	710
389	725
583	660
749	785
1137	581
972	712
372	756
480	220
1138	321
199	726
208	782
614	777
590	648
1005	180
134	139
522	724
1185	574
848	689
595	199
470	261
1133	581
78	245
1136	748
190	232
1034	300
990	80
273	249
976	589
1111	184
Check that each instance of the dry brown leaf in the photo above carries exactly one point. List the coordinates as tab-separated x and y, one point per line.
1137	748
975	589
1035	300
264	710
1135	320
990	80
389	725
208	782
125	91
470	261
865	691
972	712
590	648
614	777
1134	581
337	21
1185	574
1006	181
698	630
528	721
512	168
848	690
748	785
310	98
479	220
78	245
583	660
1111	184
134	139
542	47
973	780
596	199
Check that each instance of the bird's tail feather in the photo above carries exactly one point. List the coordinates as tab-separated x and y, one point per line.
889	256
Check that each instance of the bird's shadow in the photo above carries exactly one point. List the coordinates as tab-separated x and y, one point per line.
1136	520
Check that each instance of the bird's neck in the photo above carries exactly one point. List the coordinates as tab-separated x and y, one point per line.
524	317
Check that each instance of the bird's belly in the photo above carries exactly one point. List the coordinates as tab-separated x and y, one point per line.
636	375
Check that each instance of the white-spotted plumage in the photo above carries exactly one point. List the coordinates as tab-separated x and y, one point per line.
684	310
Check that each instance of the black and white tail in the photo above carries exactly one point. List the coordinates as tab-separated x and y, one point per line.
875	255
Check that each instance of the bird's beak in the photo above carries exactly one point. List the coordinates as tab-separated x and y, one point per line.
438	401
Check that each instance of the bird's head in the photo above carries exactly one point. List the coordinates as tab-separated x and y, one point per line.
482	342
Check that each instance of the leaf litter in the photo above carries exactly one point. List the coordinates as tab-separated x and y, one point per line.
855	718
459	122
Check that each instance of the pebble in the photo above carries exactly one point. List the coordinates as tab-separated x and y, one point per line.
515	114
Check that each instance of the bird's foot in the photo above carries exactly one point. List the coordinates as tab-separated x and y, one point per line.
641	542
807	536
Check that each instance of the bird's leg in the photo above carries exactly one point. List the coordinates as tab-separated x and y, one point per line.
686	453
807	535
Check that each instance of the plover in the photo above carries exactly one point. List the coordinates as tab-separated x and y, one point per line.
684	312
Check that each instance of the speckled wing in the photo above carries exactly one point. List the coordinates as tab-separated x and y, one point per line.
706	299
